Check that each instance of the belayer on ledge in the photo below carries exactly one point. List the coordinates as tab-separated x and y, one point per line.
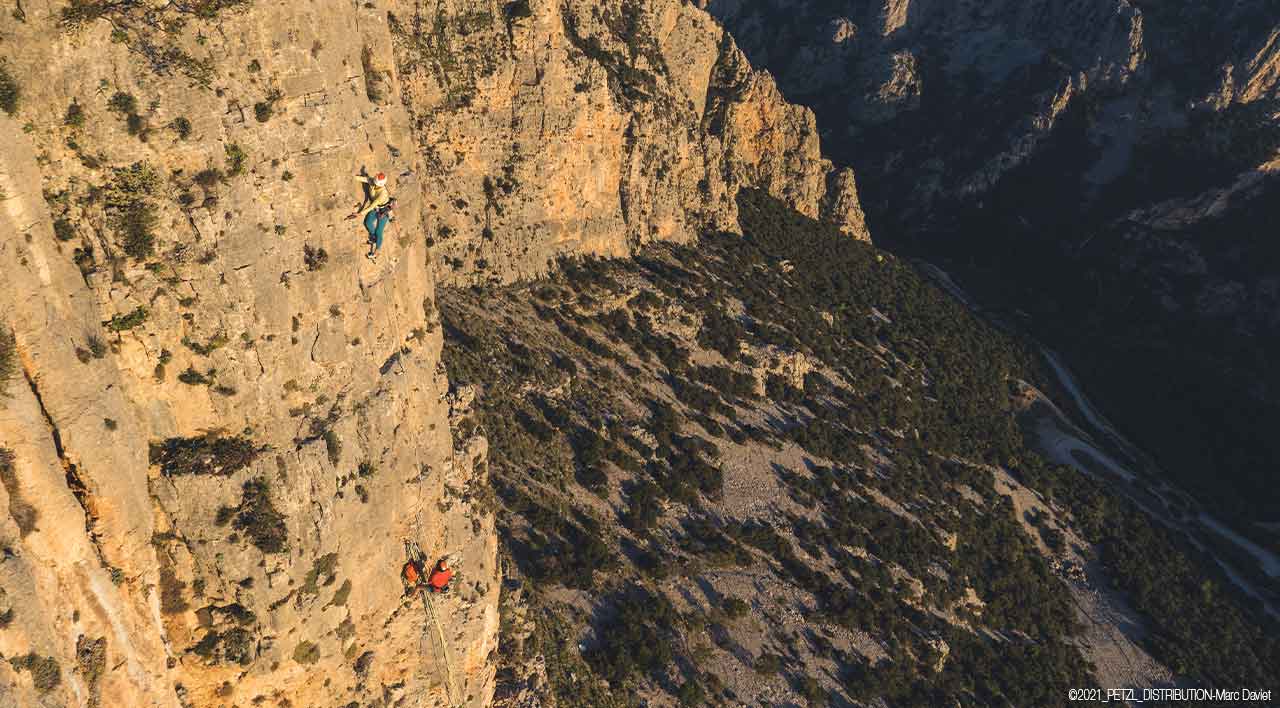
437	581
376	210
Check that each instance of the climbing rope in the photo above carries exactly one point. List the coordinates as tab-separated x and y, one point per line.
442	647
412	549
428	606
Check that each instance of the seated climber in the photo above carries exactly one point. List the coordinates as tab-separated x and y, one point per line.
376	210
412	574
440	577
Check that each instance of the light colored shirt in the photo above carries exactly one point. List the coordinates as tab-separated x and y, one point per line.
378	196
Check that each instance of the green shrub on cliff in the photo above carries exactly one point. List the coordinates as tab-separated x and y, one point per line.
79	13
121	323
130	210
8	359
258	518
236	158
182	126
75	115
46	675
306	652
136	224
10	91
204	455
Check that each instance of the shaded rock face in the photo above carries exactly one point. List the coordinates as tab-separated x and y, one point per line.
1103	165
992	78
216	484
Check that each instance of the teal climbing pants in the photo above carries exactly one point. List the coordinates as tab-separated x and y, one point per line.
375	224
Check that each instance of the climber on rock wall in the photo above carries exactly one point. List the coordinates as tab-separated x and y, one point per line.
440	577
437	581
376	208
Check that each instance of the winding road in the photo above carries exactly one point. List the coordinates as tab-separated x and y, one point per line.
1067	443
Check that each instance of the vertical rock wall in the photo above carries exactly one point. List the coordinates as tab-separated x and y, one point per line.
549	128
304	381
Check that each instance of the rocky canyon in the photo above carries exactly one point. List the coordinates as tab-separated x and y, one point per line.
659	350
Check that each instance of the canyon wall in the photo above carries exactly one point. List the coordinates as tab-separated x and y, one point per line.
1105	167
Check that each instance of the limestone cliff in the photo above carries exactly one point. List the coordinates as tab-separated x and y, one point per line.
224	422
227	421
550	128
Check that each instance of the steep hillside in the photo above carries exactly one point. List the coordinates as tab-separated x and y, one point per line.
1103	166
782	469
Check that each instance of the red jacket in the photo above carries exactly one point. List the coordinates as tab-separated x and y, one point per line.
440	578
